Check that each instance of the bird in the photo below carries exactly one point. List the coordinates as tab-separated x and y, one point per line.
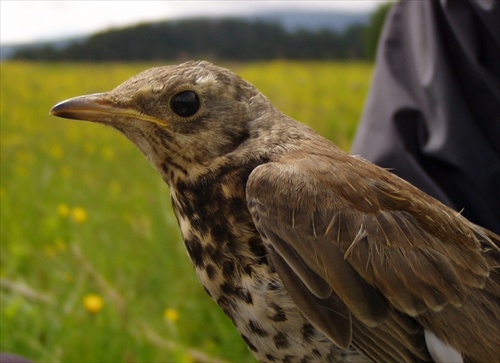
313	253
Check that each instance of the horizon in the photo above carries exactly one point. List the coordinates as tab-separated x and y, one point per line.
28	22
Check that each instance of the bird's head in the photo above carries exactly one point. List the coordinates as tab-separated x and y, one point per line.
185	116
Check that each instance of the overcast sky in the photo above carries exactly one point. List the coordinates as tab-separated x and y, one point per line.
27	21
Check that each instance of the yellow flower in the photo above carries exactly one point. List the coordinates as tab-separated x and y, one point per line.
65	171
171	314
63	209
115	187
49	251
89	148
25	157
79	214
93	303
59	244
21	170
56	151
188	358
108	153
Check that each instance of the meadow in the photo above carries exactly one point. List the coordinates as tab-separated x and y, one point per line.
93	268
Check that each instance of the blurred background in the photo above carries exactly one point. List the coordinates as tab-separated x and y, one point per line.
93	268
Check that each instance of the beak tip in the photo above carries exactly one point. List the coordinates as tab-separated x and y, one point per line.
53	110
77	108
59	109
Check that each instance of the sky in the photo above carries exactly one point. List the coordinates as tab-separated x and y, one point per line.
29	21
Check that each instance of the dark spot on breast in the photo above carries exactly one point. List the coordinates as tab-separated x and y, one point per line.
249	343
248	270
258	250
308	332
316	353
246	296
195	251
227	307
211	271
305	359
219	230
215	254
270	358
230	290
281	341
279	313
273	286
228	269
257	329
237	206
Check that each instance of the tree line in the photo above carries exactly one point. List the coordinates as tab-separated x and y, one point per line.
229	39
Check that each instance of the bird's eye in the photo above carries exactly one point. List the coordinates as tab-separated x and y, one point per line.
185	103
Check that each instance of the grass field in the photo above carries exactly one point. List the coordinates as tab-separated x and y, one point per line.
92	265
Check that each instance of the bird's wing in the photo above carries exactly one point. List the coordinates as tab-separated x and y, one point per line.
365	246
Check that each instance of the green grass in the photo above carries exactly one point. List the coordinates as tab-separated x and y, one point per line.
83	213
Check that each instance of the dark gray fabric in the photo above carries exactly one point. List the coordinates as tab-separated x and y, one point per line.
433	111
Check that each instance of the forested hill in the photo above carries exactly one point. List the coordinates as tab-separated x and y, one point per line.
225	38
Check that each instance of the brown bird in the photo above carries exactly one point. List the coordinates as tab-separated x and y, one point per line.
314	254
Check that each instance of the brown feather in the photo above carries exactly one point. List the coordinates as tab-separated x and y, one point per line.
366	232
329	314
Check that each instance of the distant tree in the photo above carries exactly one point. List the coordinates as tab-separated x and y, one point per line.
45	52
374	29
352	39
212	39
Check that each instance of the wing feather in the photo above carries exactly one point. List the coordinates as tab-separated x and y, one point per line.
343	227
330	315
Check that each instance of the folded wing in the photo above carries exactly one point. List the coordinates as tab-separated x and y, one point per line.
371	260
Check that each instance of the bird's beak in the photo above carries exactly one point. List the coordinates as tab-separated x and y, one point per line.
98	107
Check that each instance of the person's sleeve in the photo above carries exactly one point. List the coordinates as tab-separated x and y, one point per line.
432	115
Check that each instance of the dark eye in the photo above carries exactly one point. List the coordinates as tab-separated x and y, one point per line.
185	103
